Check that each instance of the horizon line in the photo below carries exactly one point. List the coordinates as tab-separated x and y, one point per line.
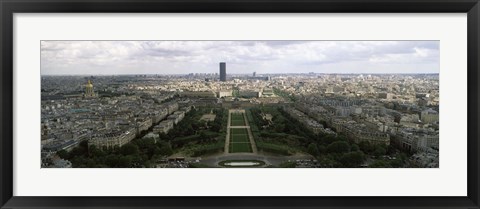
236	74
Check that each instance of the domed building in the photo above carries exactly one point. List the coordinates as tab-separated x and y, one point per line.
89	90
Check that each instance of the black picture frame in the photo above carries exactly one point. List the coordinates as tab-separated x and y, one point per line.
9	7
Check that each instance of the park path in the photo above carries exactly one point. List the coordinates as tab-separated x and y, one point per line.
250	135
227	141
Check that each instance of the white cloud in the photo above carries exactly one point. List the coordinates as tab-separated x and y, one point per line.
420	52
164	57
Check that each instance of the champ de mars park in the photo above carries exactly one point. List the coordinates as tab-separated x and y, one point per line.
263	104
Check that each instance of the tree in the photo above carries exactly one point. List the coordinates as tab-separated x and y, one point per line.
83	144
203	135
352	159
164	136
322	149
137	160
112	160
338	147
215	127
313	149
78	151
391	150
380	164
396	163
279	127
91	163
129	149
124	162
189	130
288	165
379	150
341	138
355	147
366	147
63	154
144	143
95	152
165	148
327	161
327	139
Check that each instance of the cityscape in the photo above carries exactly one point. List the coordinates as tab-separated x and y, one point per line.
239	104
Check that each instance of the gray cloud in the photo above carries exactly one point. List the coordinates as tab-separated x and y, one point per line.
179	57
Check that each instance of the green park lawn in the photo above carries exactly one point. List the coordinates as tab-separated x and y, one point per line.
238	135
237	119
240	147
239	141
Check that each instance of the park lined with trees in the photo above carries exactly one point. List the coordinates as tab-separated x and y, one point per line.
280	135
286	135
190	137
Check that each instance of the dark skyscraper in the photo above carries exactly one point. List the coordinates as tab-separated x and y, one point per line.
223	71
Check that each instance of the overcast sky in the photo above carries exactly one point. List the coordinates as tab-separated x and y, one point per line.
182	57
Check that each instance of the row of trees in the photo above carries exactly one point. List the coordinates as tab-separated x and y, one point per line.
138	153
337	151
283	136
145	152
197	137
330	150
187	127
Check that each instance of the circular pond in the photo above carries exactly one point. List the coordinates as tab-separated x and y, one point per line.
241	163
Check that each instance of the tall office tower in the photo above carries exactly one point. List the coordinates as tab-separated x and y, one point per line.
254	74
223	71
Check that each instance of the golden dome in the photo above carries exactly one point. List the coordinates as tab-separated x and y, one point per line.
89	84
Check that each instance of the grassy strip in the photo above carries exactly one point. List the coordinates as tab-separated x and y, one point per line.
240	147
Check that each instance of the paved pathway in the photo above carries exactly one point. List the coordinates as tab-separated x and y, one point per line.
227	138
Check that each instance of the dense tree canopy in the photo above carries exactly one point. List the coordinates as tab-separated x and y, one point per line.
286	135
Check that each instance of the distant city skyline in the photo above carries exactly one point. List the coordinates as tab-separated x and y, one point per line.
242	57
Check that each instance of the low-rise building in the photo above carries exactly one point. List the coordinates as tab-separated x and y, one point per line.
172	107
417	139
163	127
361	133
159	115
429	116
143	124
224	93
198	94
177	116
113	138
